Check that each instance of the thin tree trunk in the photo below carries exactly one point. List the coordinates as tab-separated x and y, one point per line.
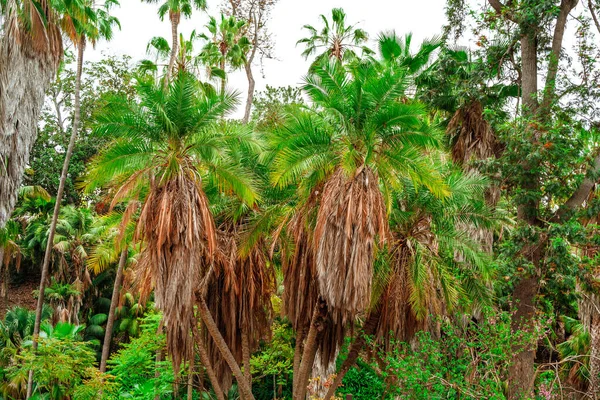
250	98
594	329
223	80
59	195
111	313
369	329
310	349
246	355
213	330
298	358
205	360
174	17
25	75
159	356
190	387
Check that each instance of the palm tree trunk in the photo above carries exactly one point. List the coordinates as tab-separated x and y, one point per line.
310	349
190	387
297	358
61	189
213	330
369	328
205	360
224	79
246	355
159	355
111	313
25	74
175	17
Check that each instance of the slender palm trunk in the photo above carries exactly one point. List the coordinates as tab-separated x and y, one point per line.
61	189
369	329
159	355
310	350
297	358
224	79
190	386
175	17
205	360
246	354
213	330
111	313
25	75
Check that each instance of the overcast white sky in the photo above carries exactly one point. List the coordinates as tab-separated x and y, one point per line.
139	21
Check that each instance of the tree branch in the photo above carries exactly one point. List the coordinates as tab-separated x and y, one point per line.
594	16
500	9
582	192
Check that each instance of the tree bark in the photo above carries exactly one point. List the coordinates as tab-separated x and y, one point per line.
190	386
246	355
310	349
297	358
111	313
61	189
213	330
594	329
25	75
205	360
250	98
174	17
369	328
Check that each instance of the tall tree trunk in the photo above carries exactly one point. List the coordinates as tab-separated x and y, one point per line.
310	349
297	358
369	329
591	306
246	355
61	189
25	74
174	17
159	355
251	85
111	313
213	330
205	360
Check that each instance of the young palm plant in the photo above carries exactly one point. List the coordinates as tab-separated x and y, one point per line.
167	151
351	150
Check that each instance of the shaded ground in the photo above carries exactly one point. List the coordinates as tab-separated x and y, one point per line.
20	294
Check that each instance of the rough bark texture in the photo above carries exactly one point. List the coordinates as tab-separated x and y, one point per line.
205	360
310	349
190	385
26	71
297	358
213	330
111	313
59	194
246	355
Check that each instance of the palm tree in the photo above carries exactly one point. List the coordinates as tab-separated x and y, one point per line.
420	277
175	8
226	45
166	160
30	54
336	39
361	137
81	23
